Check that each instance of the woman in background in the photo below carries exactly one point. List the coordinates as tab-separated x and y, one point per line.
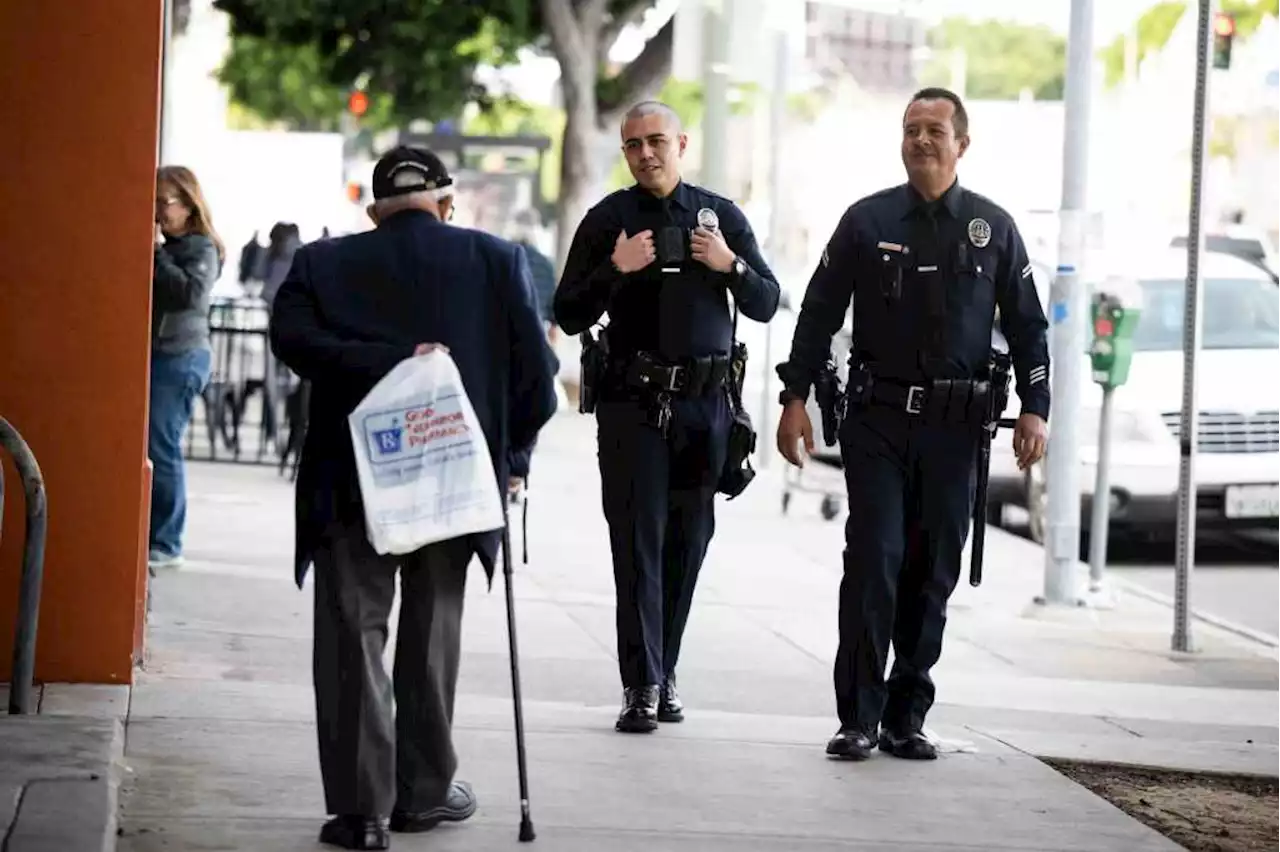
188	260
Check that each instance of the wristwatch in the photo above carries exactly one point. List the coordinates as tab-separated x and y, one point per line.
739	266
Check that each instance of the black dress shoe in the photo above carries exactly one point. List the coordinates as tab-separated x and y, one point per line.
355	832
459	804
639	710
670	707
850	744
908	744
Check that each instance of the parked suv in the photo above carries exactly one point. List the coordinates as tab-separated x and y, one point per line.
1238	460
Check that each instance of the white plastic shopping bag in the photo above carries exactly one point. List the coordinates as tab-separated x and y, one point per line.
424	467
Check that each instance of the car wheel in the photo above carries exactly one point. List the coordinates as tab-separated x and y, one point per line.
1037	501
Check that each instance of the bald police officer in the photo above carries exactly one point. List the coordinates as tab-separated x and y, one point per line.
661	257
925	266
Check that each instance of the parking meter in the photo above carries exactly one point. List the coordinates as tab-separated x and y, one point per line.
1117	305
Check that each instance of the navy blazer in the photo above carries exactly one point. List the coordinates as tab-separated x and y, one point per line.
353	307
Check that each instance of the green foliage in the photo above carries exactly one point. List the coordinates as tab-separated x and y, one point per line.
1153	29
416	57
289	85
1003	58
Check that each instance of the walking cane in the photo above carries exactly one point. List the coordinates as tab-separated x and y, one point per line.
526	822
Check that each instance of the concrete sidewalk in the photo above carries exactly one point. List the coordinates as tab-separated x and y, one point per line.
221	742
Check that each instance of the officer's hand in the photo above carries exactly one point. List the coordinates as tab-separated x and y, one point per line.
793	427
1030	436
710	248
631	254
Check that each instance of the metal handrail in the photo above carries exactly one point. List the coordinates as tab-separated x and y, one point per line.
24	636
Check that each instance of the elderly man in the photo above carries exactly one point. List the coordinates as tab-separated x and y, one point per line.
350	310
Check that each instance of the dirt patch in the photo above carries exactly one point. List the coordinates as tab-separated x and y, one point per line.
1201	812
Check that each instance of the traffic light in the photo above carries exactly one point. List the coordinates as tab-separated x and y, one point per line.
358	103
1224	31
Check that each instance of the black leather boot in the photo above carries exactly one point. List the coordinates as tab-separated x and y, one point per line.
639	710
670	707
355	832
850	744
907	743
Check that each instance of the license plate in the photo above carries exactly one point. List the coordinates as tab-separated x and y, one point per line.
1252	501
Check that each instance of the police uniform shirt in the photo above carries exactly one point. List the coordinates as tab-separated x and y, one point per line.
676	314
925	280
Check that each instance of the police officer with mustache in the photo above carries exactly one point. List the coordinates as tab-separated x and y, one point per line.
926	267
663	258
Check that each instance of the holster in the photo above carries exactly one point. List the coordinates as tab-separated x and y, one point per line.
738	472
830	400
595	365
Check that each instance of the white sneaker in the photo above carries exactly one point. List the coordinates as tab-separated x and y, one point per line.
156	559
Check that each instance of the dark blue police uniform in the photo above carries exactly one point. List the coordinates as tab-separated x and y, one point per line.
669	323
926	280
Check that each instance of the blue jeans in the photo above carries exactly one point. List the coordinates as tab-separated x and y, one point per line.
176	381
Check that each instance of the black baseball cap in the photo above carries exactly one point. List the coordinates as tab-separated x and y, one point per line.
404	169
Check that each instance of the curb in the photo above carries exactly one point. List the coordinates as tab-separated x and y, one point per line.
1249	633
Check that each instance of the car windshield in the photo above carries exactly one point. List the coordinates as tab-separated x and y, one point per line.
1239	313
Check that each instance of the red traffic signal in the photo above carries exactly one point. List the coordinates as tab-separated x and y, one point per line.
1224	25
358	103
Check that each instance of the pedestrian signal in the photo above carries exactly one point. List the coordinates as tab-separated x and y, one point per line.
1224	32
358	103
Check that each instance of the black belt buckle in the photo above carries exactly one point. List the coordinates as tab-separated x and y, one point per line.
915	399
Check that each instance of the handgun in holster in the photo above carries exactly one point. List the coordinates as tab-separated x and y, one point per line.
595	362
830	399
997	397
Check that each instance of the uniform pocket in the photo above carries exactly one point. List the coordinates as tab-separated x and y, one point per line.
975	282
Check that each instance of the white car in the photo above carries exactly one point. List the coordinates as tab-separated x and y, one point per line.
1238	460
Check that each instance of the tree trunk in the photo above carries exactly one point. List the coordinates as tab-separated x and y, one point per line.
581	175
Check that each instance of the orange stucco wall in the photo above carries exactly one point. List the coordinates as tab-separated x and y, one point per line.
80	103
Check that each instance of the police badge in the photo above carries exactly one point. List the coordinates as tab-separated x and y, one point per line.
708	219
979	232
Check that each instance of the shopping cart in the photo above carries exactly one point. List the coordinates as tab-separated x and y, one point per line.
823	473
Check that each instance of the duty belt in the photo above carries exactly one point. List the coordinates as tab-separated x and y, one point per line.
691	377
959	402
900	395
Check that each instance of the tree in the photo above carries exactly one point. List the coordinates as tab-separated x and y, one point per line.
421	55
1002	58
1154	27
290	85
582	34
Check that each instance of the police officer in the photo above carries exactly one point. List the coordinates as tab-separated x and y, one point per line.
926	266
661	257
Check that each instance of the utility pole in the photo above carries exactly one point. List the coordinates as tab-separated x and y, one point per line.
717	21
165	142
777	121
1188	435
1067	314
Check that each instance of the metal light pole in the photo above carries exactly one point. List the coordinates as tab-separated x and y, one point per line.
1188	435
777	121
165	142
1067	309
717	21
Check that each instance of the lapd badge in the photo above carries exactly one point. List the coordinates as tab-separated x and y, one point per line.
979	232
708	219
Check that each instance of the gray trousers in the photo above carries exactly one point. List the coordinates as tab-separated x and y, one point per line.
374	757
